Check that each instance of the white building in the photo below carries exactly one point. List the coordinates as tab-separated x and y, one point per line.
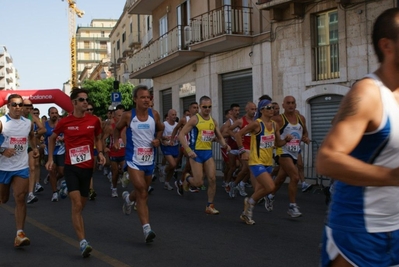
8	73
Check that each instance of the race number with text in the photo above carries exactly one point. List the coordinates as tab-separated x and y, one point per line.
79	154
145	155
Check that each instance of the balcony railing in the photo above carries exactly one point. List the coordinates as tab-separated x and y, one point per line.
168	43
326	61
224	20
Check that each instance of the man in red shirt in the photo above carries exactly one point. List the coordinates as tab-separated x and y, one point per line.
81	131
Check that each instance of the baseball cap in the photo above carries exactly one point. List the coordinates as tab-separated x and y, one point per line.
111	108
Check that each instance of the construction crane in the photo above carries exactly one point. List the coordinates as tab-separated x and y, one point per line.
73	11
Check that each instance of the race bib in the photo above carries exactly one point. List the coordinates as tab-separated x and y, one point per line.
18	143
293	145
145	154
79	154
207	135
266	141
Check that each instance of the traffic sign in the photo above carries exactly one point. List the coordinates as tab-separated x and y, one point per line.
116	97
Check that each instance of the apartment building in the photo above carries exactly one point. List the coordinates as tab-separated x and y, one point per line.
8	73
131	32
92	45
237	50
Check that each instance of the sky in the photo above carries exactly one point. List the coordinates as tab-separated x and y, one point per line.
36	36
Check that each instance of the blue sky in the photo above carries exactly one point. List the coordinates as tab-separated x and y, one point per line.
36	36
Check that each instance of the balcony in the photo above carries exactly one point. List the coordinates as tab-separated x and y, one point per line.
220	30
144	7
134	40
284	9
163	55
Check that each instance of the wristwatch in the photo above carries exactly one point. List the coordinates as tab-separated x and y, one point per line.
2	149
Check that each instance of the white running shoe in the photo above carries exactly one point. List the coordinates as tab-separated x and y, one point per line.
241	190
114	192
269	203
54	198
167	186
125	179
294	212
127	204
31	199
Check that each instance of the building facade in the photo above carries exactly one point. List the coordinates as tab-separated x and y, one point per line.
92	45
130	33
8	73
237	50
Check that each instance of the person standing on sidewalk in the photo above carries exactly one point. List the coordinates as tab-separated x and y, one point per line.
205	130
143	135
15	134
81	131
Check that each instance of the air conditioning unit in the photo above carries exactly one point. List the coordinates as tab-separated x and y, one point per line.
187	35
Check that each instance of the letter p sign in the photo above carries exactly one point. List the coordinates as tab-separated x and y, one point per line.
116	97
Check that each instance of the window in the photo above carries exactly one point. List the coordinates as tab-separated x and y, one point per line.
326	49
102	34
86	44
86	56
123	37
103	45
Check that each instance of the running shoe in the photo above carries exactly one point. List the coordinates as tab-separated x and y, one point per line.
54	198
193	189
63	190
125	179
46	180
92	194
269	203
306	187
31	199
167	186
186	184
21	240
38	188
248	185
127	205
85	249
179	188
211	210
149	236
150	189
294	212
241	189
114	192
232	193
154	177
227	188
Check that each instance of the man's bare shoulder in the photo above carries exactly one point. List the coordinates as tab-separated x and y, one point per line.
362	99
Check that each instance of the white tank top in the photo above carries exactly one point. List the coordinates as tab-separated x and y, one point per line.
167	132
15	134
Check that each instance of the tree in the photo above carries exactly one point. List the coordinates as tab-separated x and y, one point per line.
100	95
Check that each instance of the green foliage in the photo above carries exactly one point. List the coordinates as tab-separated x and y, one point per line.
100	95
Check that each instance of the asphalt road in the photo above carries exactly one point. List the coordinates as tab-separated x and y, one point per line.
186	236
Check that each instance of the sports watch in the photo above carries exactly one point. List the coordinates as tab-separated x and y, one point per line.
2	149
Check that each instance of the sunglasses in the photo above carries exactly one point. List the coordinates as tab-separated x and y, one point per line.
81	99
268	107
14	104
89	109
28	105
35	113
206	107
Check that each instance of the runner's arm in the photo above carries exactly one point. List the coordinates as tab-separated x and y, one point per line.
360	112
